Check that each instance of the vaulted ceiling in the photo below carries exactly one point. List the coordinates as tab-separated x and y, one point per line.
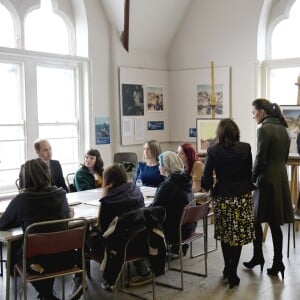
152	23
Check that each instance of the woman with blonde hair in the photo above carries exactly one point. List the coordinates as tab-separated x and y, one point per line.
147	170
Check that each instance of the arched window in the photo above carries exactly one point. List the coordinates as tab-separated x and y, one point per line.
42	95
285	41
46	31
281	69
7	30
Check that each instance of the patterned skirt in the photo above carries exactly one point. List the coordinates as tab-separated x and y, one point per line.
234	219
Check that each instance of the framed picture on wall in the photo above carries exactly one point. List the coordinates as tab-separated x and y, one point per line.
132	100
206	133
155	99
292	116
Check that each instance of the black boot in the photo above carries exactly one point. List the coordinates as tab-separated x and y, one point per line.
258	257
235	254
226	255
278	265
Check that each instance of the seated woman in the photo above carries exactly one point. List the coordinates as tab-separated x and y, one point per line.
39	202
119	197
148	170
89	176
192	165
174	194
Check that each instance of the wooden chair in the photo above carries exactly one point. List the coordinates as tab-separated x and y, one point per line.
69	179
47	243
191	214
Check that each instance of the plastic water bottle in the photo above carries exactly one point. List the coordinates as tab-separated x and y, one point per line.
139	182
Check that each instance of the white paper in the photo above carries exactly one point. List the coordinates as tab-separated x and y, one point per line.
127	127
139	128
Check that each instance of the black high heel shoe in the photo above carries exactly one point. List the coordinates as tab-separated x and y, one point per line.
233	281
254	262
278	267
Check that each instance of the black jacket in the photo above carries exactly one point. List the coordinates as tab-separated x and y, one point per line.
28	207
233	169
152	242
122	199
174	194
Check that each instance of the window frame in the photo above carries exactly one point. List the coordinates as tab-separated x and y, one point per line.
28	61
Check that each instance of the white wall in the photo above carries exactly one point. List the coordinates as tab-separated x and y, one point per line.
223	31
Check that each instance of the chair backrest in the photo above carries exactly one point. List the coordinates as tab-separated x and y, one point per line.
45	243
69	179
192	213
121	157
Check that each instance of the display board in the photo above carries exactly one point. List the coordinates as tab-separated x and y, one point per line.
144	105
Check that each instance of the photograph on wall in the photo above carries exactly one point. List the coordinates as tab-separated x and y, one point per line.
155	125
155	99
292	116
204	105
132	100
102	130
192	132
206	133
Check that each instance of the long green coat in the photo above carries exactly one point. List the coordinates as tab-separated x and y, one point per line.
272	198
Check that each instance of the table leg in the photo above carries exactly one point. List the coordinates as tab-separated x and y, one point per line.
8	259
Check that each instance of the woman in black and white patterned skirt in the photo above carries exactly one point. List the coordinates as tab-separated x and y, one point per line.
231	161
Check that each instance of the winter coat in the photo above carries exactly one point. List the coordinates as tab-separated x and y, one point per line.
174	194
272	198
122	199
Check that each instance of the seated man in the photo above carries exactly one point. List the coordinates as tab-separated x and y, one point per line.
44	151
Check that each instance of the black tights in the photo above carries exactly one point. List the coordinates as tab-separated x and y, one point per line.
231	256
277	241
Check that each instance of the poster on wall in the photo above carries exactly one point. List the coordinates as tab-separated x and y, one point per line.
203	101
132	100
155	99
292	116
102	130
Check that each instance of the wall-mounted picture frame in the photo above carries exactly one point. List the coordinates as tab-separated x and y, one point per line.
292	116
155	98
222	108
132	100
206	133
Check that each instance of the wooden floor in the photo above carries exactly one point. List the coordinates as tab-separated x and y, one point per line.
253	285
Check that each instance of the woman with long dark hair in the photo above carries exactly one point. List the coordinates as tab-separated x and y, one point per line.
272	198
231	161
89	176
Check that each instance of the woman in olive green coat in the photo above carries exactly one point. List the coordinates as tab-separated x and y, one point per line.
272	198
